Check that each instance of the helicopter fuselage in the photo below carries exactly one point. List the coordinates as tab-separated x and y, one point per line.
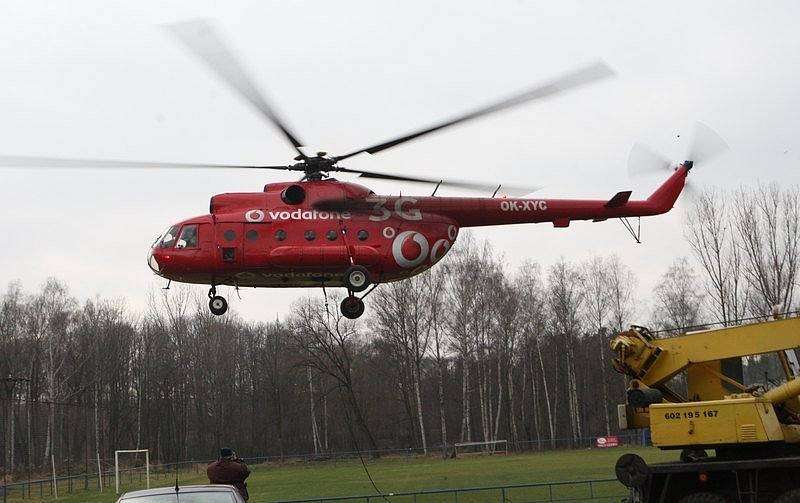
306	234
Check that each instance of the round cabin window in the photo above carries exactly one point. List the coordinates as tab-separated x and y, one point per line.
362	235
229	235
310	235
280	234
252	235
332	235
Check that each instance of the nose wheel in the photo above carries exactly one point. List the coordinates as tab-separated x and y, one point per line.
352	307
217	304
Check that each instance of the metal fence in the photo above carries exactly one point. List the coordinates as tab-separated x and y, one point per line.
71	483
41	488
600	490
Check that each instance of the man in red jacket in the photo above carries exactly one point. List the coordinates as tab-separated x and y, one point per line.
229	470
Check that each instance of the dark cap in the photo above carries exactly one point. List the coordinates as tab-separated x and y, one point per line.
225	452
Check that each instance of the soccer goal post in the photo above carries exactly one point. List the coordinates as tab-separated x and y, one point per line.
493	445
132	451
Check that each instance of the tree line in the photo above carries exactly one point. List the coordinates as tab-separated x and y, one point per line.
468	351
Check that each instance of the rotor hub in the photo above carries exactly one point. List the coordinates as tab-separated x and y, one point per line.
315	168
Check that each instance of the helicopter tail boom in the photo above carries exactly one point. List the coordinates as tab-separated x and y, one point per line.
501	211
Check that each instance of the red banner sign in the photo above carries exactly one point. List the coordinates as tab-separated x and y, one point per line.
603	442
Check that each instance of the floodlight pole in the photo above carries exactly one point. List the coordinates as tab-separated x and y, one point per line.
13	382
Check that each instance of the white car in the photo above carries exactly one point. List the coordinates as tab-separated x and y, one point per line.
185	494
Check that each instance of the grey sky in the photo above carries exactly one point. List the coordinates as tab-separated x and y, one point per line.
101	79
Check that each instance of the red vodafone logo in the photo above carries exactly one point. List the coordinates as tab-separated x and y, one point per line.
410	249
439	249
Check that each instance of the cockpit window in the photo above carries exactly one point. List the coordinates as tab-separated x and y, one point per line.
188	237
168	239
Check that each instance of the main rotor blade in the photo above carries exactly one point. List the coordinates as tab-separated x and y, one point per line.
199	37
16	161
577	78
512	190
644	160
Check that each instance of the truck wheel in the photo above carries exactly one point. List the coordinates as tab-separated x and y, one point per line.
792	496
703	498
631	470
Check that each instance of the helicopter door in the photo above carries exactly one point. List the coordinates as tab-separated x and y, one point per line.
229	244
256	246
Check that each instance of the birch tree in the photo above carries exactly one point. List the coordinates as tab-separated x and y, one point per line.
565	301
403	313
597	305
533	322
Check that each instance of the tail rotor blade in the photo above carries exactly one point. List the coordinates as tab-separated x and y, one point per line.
690	193
643	160
706	144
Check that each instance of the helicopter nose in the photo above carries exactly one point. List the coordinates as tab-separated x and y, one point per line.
152	262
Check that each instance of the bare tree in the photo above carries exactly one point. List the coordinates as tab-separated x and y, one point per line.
565	302
710	233
598	301
533	322
621	285
330	343
434	285
403	314
11	366
678	303
462	292
767	222
507	320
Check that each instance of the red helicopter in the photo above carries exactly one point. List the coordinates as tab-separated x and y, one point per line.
321	232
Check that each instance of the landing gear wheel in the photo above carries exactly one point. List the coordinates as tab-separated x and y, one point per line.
703	498
792	496
352	307
218	305
356	278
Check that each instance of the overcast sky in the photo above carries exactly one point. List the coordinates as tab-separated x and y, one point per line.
102	79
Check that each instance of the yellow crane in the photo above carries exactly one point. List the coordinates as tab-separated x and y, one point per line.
677	389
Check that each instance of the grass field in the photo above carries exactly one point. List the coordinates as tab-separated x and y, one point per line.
399	474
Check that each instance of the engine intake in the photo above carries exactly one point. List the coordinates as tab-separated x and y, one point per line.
293	194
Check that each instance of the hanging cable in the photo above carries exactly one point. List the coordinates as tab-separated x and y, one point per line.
358	451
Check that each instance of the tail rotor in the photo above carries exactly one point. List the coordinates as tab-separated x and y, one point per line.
705	145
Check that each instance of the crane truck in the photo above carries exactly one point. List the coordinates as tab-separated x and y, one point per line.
678	389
